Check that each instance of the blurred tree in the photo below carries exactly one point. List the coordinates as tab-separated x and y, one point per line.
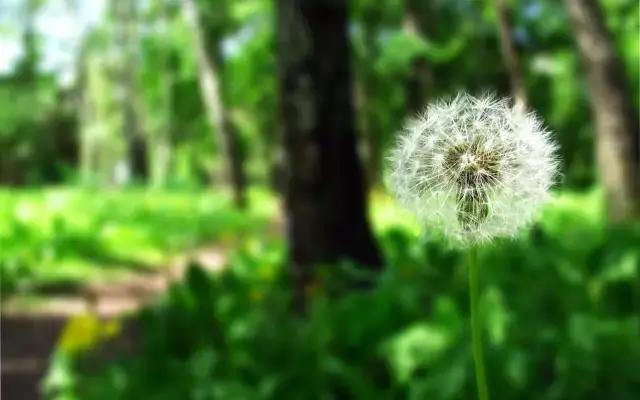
99	113
25	82
160	94
208	33
416	23
27	68
88	146
253	110
367	85
30	101
325	196
126	38
456	42
617	124
509	53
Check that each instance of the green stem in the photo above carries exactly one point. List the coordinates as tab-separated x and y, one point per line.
476	327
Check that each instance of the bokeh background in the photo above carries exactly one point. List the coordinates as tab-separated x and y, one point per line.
208	178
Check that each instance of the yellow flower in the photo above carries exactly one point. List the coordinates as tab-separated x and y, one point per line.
111	329
85	331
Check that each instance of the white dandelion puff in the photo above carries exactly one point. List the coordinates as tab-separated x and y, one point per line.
474	168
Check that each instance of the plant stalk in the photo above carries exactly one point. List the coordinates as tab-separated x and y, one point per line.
476	327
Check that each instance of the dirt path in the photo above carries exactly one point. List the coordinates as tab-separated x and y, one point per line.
29	333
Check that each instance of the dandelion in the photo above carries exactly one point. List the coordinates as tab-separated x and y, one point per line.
475	169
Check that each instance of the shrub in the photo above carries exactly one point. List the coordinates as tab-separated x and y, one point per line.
560	310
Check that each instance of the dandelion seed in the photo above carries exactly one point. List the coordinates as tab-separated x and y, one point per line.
474	168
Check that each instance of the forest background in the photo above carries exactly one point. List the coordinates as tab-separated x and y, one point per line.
133	133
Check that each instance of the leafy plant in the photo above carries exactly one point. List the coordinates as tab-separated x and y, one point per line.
561	321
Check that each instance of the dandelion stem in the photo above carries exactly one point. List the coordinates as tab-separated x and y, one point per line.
476	328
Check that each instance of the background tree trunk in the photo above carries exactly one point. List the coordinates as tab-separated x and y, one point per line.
617	125
369	125
125	18
162	157
325	196
420	77
209	70
510	54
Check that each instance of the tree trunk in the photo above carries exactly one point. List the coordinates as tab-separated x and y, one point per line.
275	161
510	55
127	42
420	77
366	87
617	124
91	115
325	197
209	69
273	151
369	132
27	68
163	143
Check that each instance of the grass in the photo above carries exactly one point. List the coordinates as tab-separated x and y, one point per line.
66	236
563	297
61	237
558	305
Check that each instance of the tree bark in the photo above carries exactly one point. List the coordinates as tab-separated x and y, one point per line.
510	55
92	114
617	124
370	130
126	37
325	198
163	144
209	70
414	23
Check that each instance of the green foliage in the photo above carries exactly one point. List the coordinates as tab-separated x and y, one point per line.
71	236
399	49
460	47
559	307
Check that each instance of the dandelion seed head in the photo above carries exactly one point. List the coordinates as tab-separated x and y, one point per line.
475	168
